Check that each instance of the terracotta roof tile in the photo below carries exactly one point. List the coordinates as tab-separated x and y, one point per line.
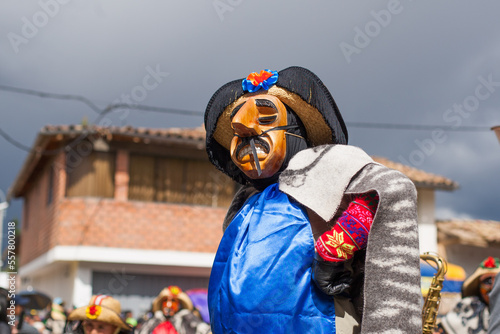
479	233
418	176
181	133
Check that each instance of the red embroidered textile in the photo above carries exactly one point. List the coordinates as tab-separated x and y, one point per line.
350	233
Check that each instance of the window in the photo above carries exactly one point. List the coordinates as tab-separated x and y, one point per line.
93	175
178	180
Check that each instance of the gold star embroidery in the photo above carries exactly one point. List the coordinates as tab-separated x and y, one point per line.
337	241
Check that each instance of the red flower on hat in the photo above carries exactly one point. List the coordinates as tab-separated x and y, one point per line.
263	80
490	263
257	78
93	311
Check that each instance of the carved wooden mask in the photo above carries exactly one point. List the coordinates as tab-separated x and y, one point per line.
250	120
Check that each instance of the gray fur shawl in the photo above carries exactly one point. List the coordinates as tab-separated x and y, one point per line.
320	178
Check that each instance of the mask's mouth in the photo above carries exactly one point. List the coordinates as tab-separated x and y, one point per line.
245	147
255	145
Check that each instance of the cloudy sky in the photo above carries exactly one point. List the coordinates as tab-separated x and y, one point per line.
404	63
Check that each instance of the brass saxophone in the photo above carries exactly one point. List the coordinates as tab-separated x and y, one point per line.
431	304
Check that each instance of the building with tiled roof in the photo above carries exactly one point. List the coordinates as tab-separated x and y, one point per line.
126	211
468	242
123	211
420	178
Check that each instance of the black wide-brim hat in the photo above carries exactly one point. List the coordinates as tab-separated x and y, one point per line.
299	89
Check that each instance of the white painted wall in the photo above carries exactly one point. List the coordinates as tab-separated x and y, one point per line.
427	228
55	282
67	272
82	288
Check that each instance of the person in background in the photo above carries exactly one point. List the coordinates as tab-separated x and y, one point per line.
472	313
100	316
22	326
495	307
4	301
33	318
56	319
173	313
129	319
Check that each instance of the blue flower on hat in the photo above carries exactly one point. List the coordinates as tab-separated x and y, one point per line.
263	80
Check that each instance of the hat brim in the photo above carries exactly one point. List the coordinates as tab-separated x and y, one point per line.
182	296
471	284
107	315
57	312
318	131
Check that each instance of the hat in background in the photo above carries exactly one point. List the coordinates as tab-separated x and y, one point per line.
491	265
57	312
58	300
101	308
21	300
172	292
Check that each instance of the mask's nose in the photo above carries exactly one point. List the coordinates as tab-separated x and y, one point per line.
245	122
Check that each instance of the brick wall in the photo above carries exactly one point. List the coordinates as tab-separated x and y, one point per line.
125	224
107	222
39	217
140	225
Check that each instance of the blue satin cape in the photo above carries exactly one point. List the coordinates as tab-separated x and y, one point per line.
261	276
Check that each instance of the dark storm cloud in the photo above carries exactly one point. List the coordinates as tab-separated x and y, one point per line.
410	62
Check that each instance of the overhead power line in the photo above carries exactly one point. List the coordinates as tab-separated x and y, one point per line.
111	107
103	111
80	98
13	141
94	107
100	112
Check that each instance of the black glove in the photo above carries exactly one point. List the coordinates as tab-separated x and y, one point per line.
333	278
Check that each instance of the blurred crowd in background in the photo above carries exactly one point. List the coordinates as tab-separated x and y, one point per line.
172	311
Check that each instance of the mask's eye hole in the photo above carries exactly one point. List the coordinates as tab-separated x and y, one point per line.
267	119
